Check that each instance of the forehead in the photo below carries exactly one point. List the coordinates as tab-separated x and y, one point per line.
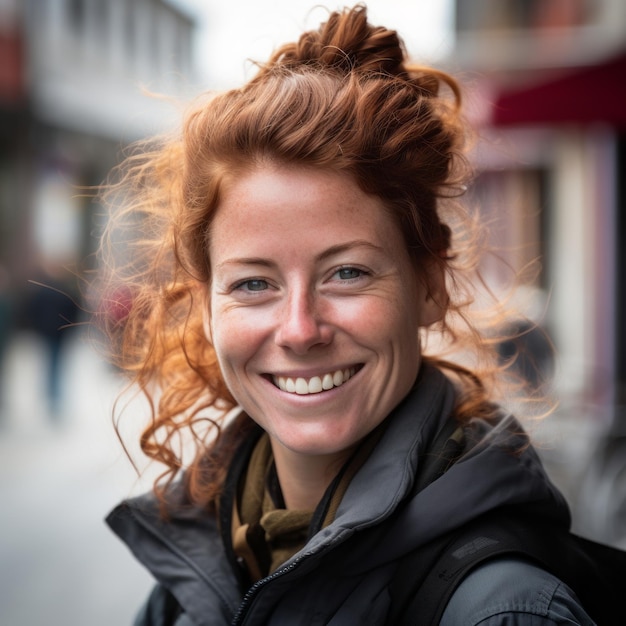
298	202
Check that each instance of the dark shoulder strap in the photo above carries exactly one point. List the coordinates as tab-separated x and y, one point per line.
456	555
595	572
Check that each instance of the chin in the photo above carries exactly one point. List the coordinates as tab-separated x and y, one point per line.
320	444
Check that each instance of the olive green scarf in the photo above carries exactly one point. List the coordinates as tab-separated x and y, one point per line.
265	534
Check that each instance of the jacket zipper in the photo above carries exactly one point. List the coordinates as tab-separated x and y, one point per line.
248	597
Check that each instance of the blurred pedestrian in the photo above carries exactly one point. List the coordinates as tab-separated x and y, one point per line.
51	312
7	310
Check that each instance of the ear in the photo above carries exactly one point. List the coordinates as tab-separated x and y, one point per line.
433	296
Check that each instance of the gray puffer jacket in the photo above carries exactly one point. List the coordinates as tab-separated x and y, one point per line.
343	575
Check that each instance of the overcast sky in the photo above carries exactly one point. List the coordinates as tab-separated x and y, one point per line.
232	31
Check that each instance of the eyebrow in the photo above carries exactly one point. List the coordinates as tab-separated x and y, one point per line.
345	247
325	254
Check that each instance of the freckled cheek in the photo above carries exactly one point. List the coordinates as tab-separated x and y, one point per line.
238	337
376	322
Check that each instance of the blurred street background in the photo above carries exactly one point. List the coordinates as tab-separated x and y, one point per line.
61	472
546	90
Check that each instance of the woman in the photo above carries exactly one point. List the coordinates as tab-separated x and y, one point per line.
300	255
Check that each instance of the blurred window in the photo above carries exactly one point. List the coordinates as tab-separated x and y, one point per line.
514	204
523	14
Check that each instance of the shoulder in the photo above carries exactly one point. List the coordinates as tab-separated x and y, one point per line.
516	592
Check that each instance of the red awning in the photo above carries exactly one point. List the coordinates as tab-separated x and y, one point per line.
582	96
11	69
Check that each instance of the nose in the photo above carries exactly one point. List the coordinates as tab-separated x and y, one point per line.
300	325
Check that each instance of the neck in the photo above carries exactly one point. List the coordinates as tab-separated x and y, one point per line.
304	479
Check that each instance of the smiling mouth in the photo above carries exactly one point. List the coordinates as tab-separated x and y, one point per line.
316	384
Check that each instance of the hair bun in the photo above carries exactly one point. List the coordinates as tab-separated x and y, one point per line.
346	42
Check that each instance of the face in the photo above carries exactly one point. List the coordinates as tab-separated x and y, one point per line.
315	307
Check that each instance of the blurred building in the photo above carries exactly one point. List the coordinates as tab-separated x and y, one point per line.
547	80
548	85
74	79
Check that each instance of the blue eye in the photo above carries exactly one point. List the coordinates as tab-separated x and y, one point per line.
254	284
349	273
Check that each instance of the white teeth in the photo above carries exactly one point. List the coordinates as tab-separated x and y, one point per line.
317	384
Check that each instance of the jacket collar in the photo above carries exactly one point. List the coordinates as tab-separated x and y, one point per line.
183	553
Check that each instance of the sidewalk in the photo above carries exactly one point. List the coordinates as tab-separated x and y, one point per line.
59	563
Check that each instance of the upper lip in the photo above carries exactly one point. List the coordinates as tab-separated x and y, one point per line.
310	373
